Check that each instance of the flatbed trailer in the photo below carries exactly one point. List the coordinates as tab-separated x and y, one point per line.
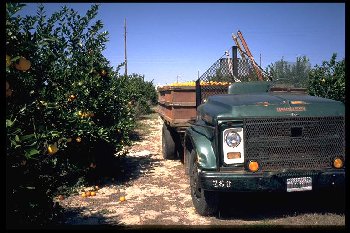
177	107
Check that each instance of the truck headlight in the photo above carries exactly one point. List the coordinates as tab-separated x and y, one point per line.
232	138
233	145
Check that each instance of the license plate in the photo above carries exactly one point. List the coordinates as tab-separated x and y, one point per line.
299	184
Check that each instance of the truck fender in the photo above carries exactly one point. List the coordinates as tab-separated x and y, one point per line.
203	146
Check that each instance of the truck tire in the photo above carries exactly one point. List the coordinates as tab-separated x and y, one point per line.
205	202
187	164
168	143
187	157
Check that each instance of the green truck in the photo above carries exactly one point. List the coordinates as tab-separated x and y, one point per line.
256	137
245	135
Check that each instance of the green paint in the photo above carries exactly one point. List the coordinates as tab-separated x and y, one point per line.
202	139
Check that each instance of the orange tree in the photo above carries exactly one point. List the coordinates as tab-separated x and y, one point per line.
328	80
67	110
143	94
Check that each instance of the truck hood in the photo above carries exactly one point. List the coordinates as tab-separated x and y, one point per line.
231	106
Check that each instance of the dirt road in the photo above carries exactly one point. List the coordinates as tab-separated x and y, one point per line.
157	193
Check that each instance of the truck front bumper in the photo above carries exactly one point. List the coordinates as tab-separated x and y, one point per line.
270	181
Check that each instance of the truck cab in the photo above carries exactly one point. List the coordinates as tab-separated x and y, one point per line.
260	138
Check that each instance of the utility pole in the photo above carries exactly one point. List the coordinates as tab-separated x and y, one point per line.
126	60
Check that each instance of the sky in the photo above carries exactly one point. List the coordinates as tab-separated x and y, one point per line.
169	42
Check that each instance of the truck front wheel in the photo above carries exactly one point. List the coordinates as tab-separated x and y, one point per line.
205	202
168	143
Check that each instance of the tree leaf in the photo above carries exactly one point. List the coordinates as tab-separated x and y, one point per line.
26	137
9	123
30	152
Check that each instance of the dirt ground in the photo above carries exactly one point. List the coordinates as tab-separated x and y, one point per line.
157	194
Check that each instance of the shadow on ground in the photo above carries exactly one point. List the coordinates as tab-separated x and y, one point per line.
123	170
133	167
77	221
128	168
119	170
262	206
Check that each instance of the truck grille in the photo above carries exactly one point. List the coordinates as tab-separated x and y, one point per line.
294	143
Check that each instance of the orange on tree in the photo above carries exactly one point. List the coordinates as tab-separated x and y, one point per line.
23	64
122	198
92	193
83	195
88	193
52	149
78	139
103	72
71	97
85	114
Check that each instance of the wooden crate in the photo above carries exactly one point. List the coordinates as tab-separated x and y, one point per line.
177	115
177	94
177	105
